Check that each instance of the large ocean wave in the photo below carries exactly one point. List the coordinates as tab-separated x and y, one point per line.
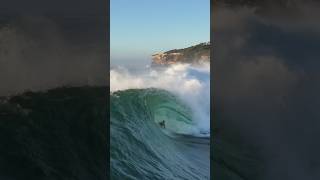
190	84
139	100
141	149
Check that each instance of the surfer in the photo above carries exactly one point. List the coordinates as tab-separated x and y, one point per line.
162	124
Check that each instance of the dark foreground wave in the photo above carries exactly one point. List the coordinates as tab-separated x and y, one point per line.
55	135
140	149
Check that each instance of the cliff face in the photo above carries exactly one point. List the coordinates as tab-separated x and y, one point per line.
197	54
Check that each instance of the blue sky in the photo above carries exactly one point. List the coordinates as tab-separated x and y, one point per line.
140	28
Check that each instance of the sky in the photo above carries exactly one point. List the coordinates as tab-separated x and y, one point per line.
141	28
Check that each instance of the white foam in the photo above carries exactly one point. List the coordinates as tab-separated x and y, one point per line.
191	84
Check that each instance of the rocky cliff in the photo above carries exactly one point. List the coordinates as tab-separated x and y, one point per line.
197	54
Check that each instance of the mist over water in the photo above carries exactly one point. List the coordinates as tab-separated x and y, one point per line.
191	84
38	53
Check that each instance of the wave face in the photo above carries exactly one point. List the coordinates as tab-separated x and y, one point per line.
140	149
